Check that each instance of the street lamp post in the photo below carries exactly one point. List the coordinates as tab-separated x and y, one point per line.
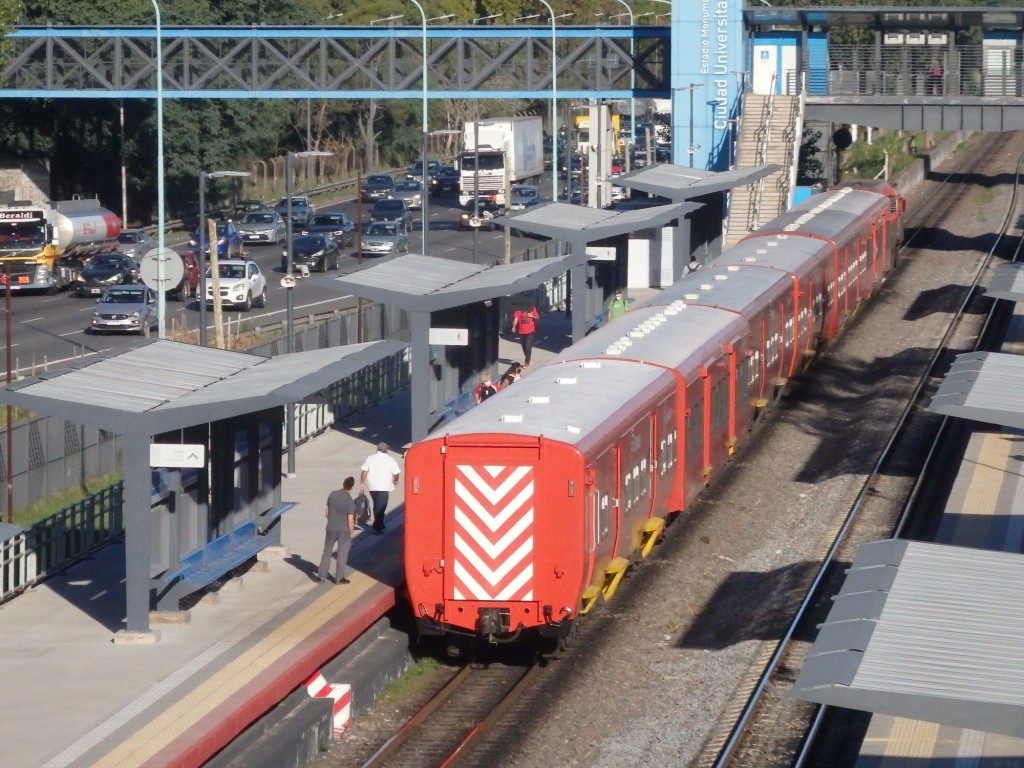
554	103
426	135
288	281
632	83
161	297
200	234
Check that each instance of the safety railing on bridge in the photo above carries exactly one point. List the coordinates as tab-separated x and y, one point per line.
920	70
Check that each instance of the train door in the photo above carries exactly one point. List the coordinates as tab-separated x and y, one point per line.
499	525
636	500
666	456
603	496
717	416
693	449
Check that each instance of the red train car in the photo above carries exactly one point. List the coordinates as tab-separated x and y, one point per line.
529	509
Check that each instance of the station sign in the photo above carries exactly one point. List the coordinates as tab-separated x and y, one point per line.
177	455
449	337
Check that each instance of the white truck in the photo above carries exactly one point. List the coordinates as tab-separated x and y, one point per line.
43	246
499	142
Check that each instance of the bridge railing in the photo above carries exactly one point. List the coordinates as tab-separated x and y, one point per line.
909	70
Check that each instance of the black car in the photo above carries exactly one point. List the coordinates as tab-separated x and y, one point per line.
480	215
445	181
317	252
105	270
376	187
392	209
337	226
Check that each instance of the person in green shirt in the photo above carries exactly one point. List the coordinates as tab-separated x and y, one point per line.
617	307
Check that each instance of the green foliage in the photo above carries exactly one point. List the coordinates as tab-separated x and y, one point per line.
54	503
809	166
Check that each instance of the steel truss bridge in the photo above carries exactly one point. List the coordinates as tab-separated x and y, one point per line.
338	62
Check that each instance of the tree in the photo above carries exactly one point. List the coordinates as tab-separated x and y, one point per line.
809	166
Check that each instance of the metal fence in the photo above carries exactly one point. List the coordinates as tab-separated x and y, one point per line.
919	70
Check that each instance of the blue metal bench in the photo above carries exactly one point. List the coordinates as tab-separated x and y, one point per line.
202	567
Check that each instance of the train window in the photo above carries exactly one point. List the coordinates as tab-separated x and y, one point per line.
694	433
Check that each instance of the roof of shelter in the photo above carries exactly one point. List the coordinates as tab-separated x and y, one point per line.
576	223
1007	282
983	386
925	631
420	283
678	183
159	386
895	19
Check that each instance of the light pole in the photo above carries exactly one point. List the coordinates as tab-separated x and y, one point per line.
486	18
632	83
426	136
161	297
554	92
396	17
691	88
200	234
288	281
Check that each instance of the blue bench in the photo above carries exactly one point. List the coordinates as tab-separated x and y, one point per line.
455	407
202	567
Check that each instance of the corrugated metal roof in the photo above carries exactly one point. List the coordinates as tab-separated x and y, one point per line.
925	631
677	183
983	386
1007	283
426	283
578	223
833	214
164	385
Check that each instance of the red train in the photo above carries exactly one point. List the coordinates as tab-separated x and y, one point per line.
529	508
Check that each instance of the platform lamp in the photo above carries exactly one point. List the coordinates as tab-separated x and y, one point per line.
288	281
201	233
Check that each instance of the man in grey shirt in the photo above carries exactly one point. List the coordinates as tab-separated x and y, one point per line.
341	526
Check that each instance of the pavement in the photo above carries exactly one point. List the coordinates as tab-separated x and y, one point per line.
72	697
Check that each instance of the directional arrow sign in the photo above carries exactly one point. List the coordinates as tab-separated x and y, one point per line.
174	455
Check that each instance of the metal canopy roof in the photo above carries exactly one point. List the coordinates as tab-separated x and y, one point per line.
418	283
983	386
576	223
897	19
161	386
678	183
1007	282
925	631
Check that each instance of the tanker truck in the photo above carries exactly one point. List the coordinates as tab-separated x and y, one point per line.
43	246
515	143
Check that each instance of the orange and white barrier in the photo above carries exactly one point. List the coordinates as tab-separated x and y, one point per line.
318	687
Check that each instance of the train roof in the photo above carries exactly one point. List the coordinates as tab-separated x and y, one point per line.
739	287
670	336
778	251
832	215
564	401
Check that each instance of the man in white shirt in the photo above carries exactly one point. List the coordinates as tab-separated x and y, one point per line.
378	478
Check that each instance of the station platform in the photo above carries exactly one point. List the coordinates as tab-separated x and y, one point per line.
71	697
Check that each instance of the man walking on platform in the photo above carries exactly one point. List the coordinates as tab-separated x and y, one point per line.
341	526
618	306
524	322
379	476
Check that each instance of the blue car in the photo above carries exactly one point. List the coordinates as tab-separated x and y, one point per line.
229	240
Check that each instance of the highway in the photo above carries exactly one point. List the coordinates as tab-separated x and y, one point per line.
49	332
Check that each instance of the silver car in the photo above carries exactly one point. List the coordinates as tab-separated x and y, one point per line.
262	227
134	243
129	308
382	237
410	191
523	196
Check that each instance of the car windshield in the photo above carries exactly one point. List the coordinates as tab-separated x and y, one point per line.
258	218
222	229
527	192
124	296
483	203
107	261
297	202
329	219
382	229
128	237
308	243
390	205
228	270
379	181
408	186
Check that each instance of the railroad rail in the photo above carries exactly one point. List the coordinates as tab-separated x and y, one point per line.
739	746
463	711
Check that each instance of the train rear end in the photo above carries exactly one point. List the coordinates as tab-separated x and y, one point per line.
494	544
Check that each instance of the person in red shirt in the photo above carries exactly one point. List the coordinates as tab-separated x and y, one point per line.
485	389
524	322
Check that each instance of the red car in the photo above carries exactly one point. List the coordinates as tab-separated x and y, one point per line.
189	285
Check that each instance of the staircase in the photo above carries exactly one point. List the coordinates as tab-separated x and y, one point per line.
770	128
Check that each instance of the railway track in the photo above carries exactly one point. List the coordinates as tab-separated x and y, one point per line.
443	731
767	729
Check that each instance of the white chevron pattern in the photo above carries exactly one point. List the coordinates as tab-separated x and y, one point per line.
492	520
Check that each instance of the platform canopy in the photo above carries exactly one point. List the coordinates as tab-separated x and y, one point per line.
890	19
928	632
418	283
983	386
676	183
1007	282
159	386
580	224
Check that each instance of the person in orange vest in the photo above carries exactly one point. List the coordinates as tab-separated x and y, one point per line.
524	322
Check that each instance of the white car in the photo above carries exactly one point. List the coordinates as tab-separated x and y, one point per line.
242	284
